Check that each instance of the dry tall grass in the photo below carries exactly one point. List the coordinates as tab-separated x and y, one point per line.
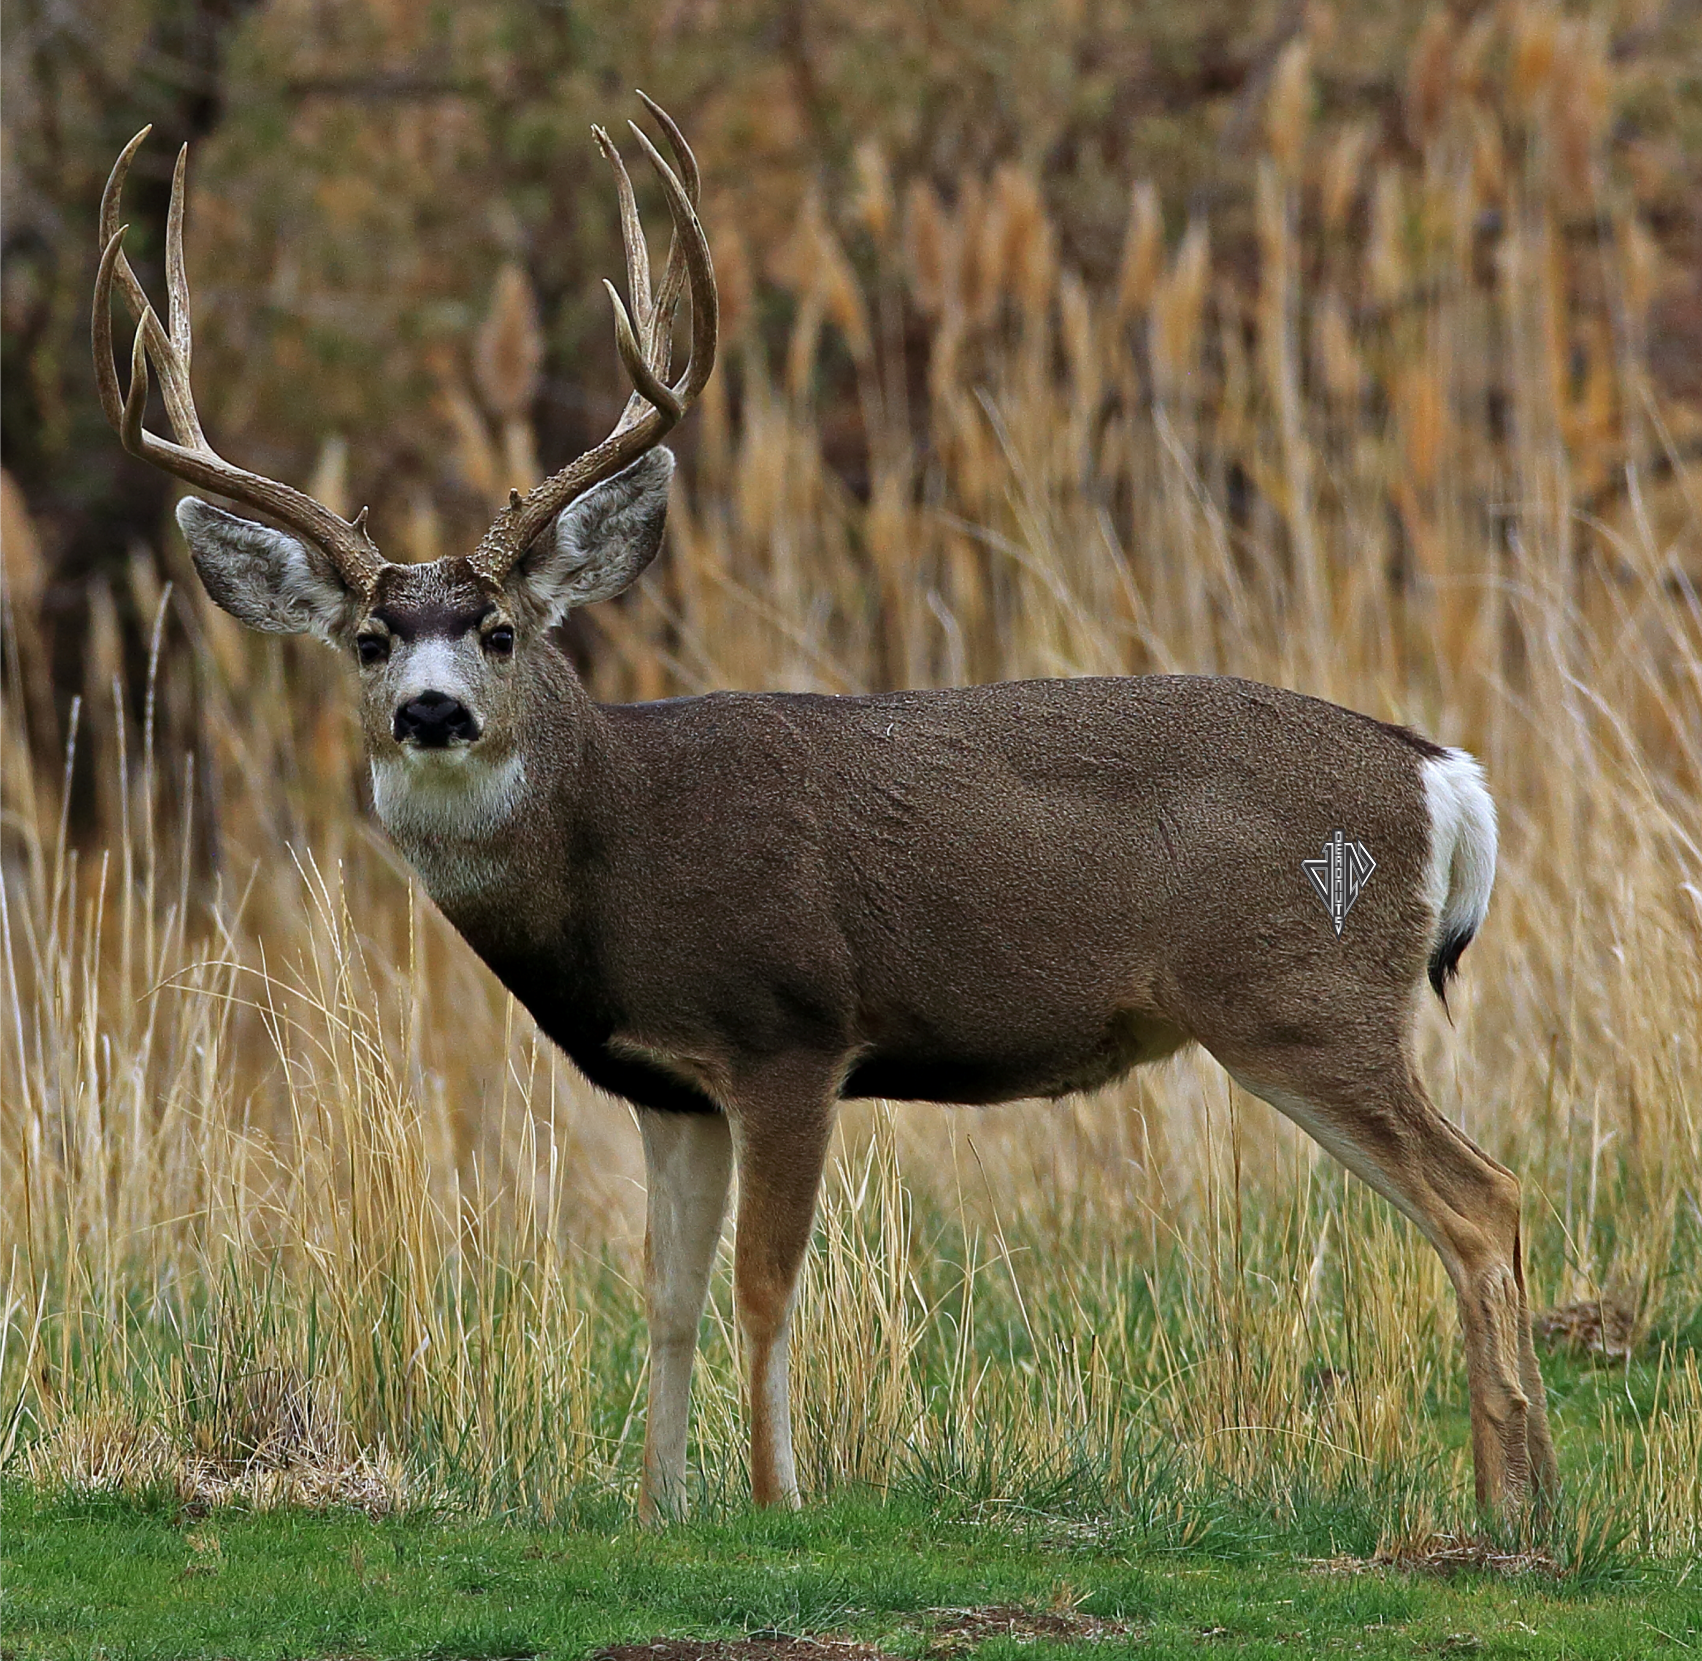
295	1201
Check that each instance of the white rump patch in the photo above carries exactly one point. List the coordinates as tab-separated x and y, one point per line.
1461	870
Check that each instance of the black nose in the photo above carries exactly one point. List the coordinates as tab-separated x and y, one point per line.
432	719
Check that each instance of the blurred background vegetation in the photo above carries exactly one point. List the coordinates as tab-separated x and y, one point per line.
397	222
1356	347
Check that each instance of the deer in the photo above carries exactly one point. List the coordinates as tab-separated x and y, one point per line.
737	910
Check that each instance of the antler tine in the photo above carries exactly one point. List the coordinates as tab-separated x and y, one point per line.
172	347
180	406
133	292
689	175
132	404
106	377
639	428
176	277
113	263
192	458
632	235
654	313
659	347
661	342
136	399
700	275
651	389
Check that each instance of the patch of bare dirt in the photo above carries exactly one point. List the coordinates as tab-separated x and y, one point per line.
1440	1554
952	1631
1596	1326
777	1648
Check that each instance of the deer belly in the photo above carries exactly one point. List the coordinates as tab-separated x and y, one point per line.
932	1071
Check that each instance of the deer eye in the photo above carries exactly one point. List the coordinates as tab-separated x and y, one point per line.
500	640
373	648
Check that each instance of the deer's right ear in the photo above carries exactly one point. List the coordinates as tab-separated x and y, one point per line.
265	578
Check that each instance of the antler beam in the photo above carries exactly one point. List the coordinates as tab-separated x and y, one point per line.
168	349
655	405
644	339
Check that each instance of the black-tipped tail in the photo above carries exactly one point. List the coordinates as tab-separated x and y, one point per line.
1445	961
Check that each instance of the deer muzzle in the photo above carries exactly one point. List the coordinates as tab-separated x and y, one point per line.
434	721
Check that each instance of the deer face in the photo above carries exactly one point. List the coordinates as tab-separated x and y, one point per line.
456	678
442	652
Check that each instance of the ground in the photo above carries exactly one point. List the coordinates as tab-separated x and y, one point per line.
118	1580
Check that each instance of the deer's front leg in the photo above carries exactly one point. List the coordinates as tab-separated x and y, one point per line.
688	1160
781	1128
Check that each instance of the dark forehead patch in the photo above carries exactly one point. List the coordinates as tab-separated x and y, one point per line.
443	598
410	622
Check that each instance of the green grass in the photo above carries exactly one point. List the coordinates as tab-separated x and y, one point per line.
1138	1541
122	1580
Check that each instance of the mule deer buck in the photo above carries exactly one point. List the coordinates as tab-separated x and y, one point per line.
736	911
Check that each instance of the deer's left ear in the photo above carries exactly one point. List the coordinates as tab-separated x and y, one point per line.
601	543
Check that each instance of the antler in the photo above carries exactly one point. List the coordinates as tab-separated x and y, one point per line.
347	545
655	406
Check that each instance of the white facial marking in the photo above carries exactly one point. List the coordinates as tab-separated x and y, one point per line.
437	665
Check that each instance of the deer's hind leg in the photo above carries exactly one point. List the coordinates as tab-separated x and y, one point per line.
688	1162
1367	1106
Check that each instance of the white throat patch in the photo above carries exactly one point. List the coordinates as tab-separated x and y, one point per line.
446	795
